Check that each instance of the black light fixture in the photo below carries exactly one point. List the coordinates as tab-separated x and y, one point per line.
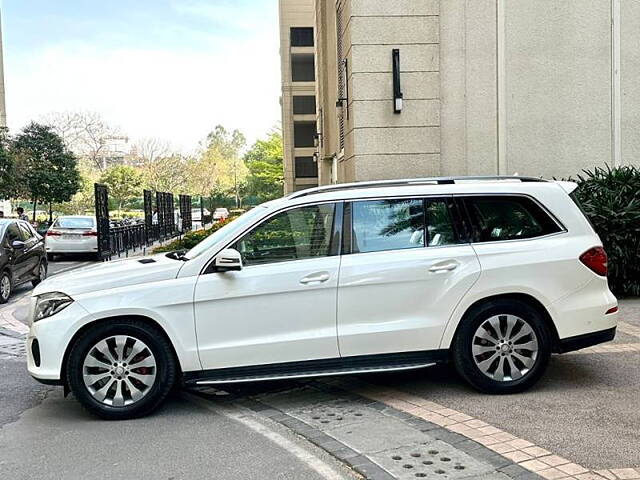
397	92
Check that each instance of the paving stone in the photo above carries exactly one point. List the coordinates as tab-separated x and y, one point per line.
335	413
378	434
434	460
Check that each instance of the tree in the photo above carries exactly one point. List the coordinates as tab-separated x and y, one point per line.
8	178
87	134
124	183
165	174
224	147
265	179
48	172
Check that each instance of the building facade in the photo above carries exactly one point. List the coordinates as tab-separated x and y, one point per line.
414	88
3	110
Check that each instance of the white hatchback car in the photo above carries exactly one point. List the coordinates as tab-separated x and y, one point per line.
72	234
493	274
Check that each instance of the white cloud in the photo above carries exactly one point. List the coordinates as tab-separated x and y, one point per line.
178	95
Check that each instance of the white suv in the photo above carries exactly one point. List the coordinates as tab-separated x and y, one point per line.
493	274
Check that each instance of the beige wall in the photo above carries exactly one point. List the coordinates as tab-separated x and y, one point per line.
293	13
3	111
490	87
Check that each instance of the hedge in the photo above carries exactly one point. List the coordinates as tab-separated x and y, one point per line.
610	197
191	239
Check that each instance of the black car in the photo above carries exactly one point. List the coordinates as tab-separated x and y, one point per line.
22	256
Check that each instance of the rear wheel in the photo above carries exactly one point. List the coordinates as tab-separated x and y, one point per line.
50	256
5	287
42	274
503	346
121	370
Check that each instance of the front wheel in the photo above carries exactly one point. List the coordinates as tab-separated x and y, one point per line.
5	287
121	370
503	346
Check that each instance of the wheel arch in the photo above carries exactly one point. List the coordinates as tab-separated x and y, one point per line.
141	318
517	296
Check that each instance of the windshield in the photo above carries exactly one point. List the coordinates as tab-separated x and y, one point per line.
229	229
74	222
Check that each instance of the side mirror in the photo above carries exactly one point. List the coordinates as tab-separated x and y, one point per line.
227	260
18	245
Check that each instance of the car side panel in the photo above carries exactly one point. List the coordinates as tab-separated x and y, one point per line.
547	269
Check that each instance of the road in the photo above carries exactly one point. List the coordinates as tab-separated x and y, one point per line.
580	422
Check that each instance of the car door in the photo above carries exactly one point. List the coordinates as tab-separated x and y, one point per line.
403	272
32	251
281	307
17	258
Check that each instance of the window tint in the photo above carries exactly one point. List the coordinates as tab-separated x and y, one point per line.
25	233
295	234
508	218
302	36
304	134
304	104
302	68
13	233
306	167
439	225
74	222
387	225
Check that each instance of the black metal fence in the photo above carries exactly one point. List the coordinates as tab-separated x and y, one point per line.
161	222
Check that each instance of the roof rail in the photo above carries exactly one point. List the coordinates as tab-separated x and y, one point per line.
407	181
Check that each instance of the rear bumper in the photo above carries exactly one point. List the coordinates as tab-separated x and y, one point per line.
578	342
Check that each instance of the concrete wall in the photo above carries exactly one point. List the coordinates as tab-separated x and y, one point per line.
3	110
629	84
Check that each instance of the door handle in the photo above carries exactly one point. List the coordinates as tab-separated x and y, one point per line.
444	266
319	277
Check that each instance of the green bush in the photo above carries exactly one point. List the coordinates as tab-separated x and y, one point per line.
610	197
191	239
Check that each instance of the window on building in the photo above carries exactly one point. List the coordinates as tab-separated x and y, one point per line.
304	104
497	218
302	68
304	134
302	36
295	234
381	225
306	167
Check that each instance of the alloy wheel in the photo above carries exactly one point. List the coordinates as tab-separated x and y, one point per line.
505	347
5	286
119	371
42	272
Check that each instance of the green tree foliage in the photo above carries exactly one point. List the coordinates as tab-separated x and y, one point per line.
8	177
610	197
265	177
124	183
46	171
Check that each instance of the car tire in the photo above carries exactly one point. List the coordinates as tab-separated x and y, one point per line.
42	274
132	386
6	286
502	347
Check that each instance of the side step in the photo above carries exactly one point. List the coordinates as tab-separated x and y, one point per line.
318	368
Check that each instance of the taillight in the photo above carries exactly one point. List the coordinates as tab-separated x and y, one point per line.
596	260
53	233
90	234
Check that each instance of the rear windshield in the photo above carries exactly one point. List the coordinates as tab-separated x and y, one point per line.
74	222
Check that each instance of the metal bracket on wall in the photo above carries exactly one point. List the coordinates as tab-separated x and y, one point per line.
397	91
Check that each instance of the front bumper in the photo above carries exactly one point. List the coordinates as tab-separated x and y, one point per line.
51	337
578	342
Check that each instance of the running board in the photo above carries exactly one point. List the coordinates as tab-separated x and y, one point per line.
318	368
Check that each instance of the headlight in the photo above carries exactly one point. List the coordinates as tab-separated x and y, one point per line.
49	304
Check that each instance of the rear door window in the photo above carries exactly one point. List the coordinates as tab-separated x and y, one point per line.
504	217
393	224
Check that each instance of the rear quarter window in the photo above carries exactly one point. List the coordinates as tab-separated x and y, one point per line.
503	217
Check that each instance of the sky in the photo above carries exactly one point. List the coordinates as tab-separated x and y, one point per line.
168	69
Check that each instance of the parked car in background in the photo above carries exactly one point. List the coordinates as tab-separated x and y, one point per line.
72	234
22	256
220	214
491	274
